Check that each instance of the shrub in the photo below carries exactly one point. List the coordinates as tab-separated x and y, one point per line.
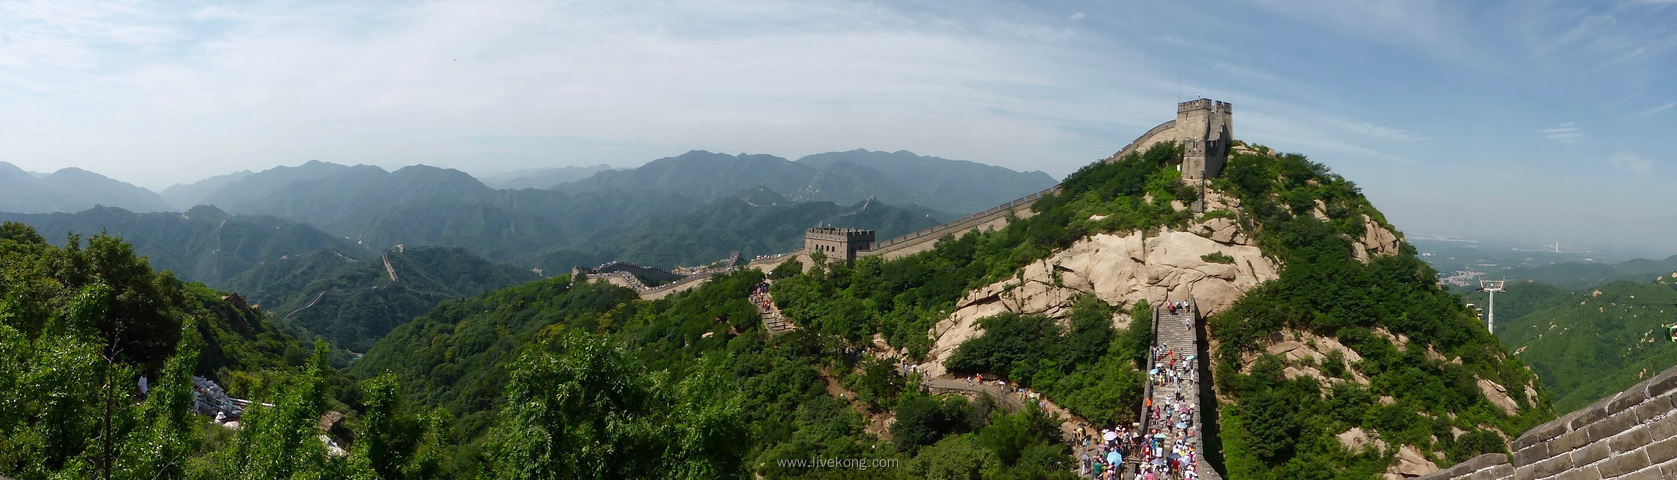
1218	257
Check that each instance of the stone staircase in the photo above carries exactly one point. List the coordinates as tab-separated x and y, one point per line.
776	323
773	321
1177	332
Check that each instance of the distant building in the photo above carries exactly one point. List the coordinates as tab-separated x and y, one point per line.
838	243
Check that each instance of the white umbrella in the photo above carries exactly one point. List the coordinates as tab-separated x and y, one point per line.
1110	436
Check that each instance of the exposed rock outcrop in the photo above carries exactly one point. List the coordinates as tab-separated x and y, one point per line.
1498	395
1411	463
1121	270
1376	240
1355	439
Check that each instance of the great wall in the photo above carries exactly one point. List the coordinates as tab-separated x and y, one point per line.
1204	128
1631	435
1628	436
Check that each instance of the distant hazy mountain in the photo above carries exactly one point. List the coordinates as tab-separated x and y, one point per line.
543	178
351	300
704	175
185	196
339	198
901	178
756	221
1573	275
590	218
70	190
203	244
943	184
422	205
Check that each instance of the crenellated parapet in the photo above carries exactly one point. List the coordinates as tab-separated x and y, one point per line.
841	243
1631	435
1205	129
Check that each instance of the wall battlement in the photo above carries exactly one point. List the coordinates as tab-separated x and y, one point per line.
1204	104
1631	435
845	243
1205	129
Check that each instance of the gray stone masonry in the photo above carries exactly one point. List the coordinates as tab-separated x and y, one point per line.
1628	436
838	243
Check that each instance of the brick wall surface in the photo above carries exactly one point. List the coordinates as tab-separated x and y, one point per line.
1629	436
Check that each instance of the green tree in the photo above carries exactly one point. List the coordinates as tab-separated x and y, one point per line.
954	458
1272	424
393	443
282	442
161	447
590	411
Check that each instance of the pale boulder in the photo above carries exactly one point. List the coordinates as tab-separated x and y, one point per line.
1411	463
1377	240
1498	395
1119	269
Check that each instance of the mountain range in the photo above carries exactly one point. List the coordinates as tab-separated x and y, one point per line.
542	178
1575	275
353	299
70	190
756	221
203	244
842	177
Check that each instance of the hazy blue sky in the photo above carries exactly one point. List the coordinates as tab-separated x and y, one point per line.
1529	120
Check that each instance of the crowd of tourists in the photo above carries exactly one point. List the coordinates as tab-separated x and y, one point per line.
1163	445
1168	452
760	297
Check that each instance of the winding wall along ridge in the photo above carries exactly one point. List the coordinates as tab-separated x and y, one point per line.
976	220
957	227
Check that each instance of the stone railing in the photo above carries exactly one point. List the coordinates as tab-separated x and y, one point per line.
685	281
1631	435
1141	140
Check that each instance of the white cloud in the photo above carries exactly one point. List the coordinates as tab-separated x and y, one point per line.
1658	109
1430	26
257	86
1630	162
1076	16
1565	134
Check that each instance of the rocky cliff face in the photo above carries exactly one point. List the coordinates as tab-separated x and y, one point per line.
1155	266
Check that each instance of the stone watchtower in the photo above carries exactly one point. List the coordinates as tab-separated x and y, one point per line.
843	243
1205	129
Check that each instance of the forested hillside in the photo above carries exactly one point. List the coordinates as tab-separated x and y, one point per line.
1421	359
352	302
80	323
1589	344
203	244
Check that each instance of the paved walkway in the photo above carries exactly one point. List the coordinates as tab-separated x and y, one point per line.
1175	338
773	321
